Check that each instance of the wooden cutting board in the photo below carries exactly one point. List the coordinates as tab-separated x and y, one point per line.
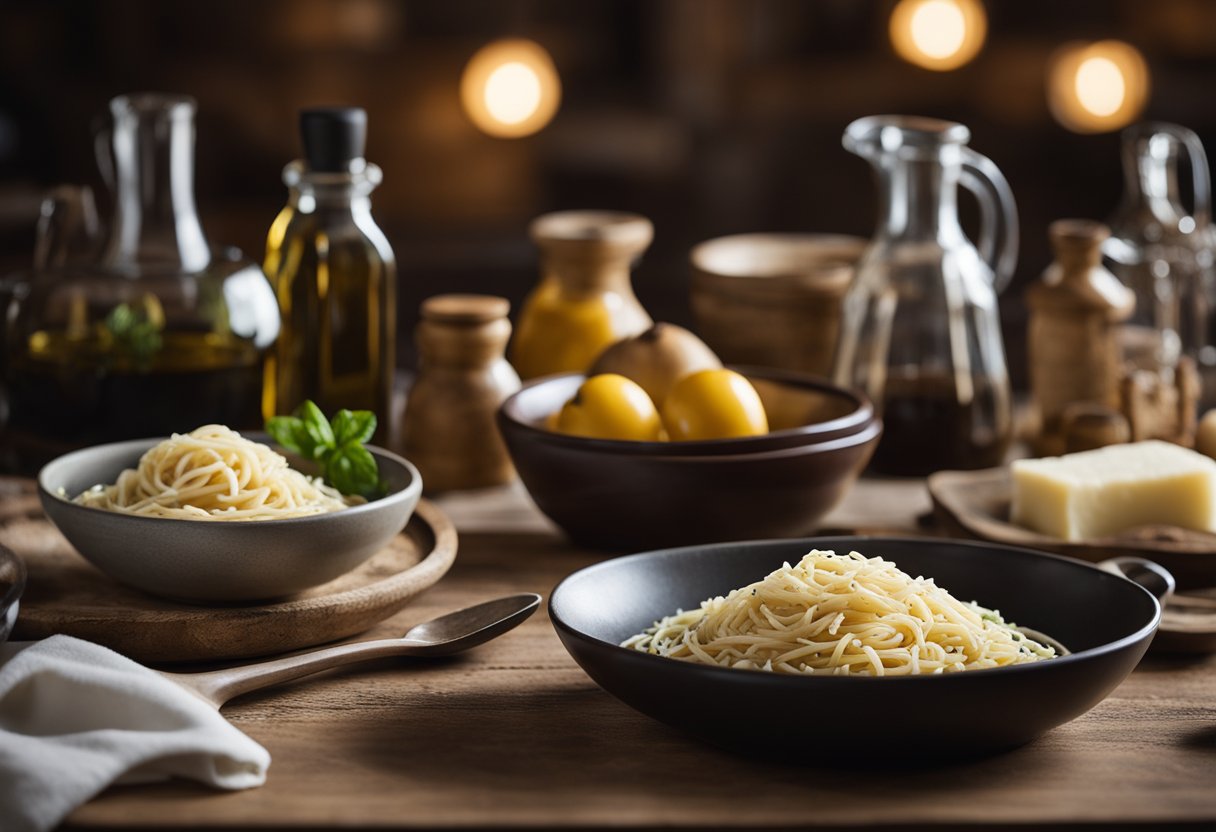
976	504
66	594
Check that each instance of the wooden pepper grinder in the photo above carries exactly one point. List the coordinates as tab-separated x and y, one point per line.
449	431
584	302
1075	310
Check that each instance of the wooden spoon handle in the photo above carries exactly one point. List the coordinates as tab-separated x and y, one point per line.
219	686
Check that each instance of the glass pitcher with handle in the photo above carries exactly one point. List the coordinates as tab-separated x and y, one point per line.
145	331
1163	252
920	333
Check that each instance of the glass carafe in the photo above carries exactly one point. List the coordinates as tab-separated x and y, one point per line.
159	332
1163	252
920	333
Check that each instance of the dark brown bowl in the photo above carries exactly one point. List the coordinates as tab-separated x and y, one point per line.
802	409
625	495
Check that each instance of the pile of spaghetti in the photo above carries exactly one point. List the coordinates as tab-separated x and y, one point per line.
841	614
213	473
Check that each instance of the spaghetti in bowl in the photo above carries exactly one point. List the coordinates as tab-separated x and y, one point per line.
842	614
197	559
821	717
214	473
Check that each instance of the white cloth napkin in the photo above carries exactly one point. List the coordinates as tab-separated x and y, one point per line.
76	717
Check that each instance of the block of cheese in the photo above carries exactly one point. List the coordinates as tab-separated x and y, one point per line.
1099	493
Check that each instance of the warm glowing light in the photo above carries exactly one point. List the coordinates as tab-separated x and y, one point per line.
1100	87
938	28
938	34
512	93
510	88
1097	87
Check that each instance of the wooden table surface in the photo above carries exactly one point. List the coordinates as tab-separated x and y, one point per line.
515	735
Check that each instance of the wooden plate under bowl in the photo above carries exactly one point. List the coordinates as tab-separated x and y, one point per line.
65	594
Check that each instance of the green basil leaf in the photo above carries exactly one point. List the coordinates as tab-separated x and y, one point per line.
317	427
120	320
353	426
305	442
352	470
285	431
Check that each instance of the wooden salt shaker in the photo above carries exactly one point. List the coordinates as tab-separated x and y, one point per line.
449	431
1074	313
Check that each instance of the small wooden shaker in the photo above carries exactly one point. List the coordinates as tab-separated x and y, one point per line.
449	431
1075	310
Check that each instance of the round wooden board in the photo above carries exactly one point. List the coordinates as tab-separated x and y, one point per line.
66	594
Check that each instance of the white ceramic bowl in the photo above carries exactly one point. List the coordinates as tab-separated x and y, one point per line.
202	560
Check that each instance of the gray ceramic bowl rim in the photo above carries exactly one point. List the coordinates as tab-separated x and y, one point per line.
715	672
857	419
14	591
74	457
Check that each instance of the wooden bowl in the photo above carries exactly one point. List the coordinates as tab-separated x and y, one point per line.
621	495
773	300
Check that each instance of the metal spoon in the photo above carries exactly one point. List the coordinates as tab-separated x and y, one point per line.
441	636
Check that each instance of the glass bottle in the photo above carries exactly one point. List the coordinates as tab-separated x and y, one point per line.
920	332
1163	252
335	277
584	302
463	376
157	333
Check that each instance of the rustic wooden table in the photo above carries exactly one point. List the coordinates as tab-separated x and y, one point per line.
515	735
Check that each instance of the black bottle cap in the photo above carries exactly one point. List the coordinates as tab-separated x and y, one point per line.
333	137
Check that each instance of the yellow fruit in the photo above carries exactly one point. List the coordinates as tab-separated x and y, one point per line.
713	404
609	406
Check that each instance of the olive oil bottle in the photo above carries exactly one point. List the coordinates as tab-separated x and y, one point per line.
334	274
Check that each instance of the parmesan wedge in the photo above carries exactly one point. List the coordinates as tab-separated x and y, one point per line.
1099	493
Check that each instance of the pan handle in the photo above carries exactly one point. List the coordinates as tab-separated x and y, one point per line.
1152	576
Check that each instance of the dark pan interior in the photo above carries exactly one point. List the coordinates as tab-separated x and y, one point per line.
1076	603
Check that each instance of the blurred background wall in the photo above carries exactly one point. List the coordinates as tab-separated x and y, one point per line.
709	116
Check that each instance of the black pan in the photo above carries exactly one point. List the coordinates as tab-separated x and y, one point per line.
1105	620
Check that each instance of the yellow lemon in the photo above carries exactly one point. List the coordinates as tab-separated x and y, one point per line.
609	406
713	404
